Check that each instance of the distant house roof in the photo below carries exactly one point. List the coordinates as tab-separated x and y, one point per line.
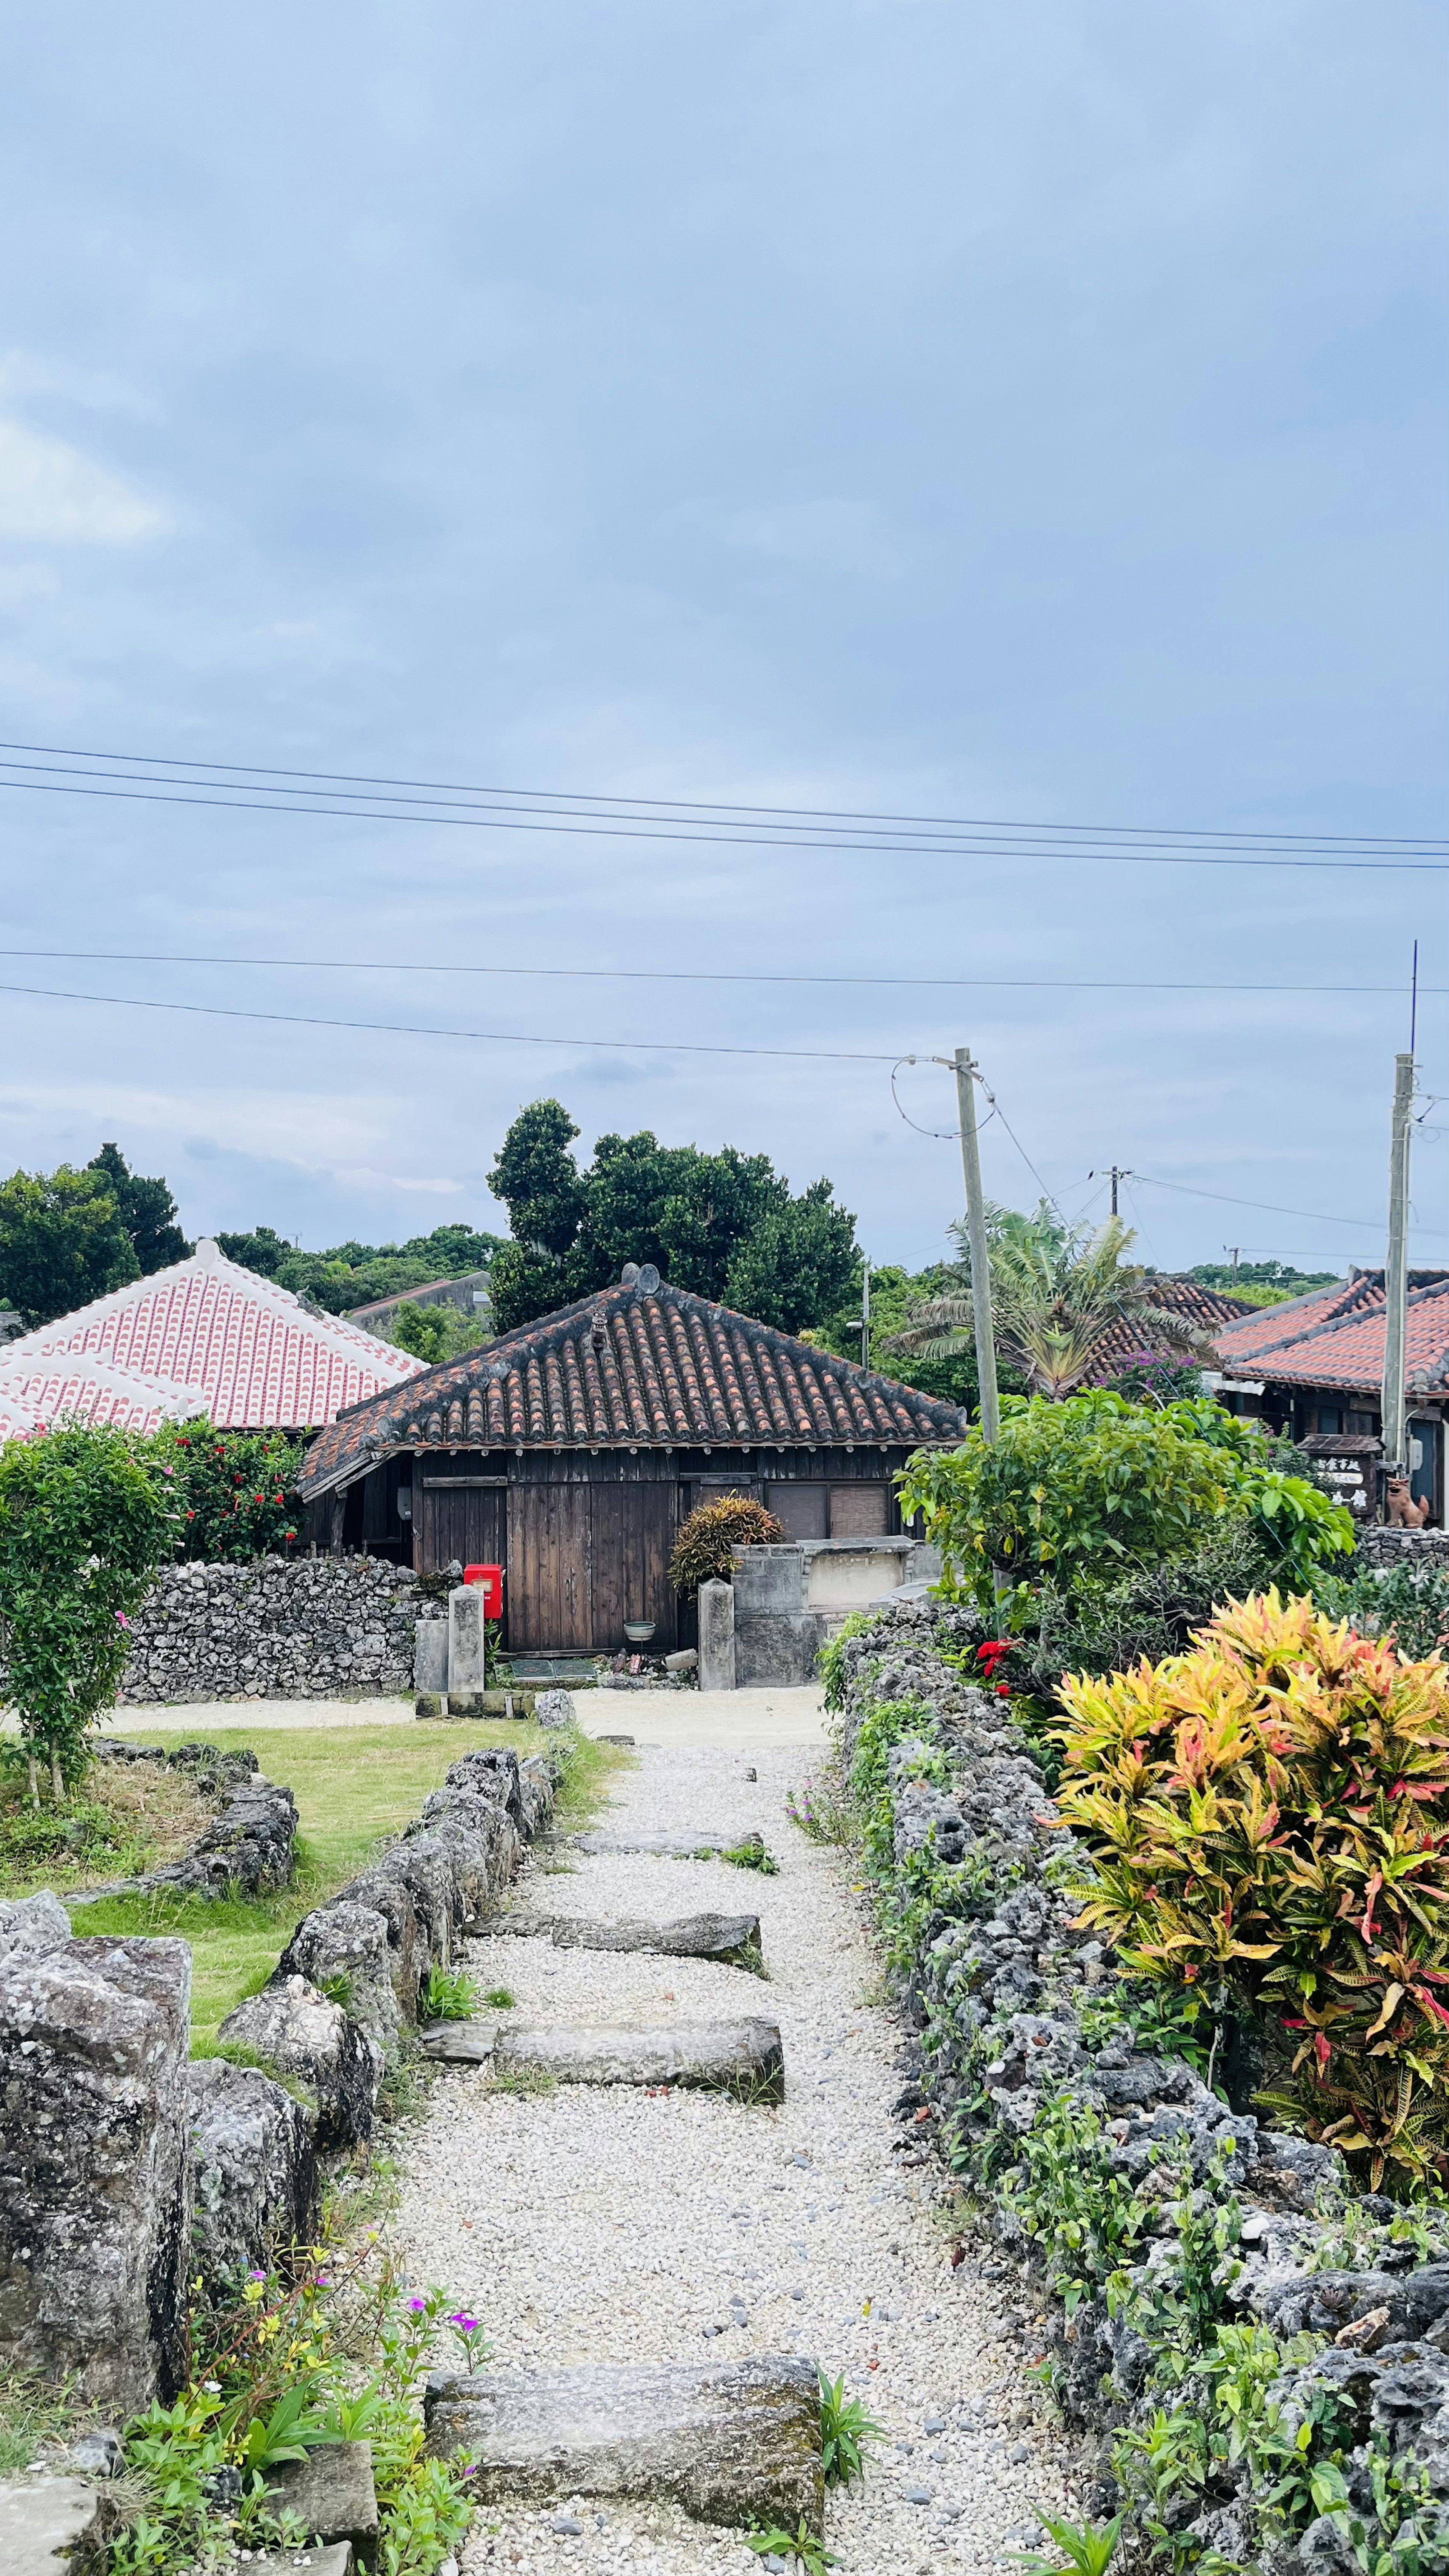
656	1367
204	1336
1334	1337
1209	1308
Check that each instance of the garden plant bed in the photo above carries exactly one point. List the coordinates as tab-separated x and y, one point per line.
1256	2345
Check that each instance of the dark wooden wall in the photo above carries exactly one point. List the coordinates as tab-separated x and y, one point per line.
585	1537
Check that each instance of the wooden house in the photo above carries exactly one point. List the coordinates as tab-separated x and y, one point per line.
1314	1367
570	1451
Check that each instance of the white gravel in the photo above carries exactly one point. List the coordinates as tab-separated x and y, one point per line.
609	2225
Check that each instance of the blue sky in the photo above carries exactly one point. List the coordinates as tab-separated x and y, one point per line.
904	405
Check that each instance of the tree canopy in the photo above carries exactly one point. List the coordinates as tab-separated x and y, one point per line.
725	1225
63	1242
353	1274
148	1212
1058	1293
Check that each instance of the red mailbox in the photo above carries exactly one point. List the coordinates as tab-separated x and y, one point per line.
490	1578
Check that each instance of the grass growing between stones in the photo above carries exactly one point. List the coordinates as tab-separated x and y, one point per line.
352	1785
125	1818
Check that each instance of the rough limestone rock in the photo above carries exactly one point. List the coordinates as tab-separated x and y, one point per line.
292	2027
555	1708
95	2182
667	1846
347	1939
484	1840
215	1773
491	1771
731	2444
323	1627
535	1789
30	1924
42	2520
407	1942
725	1937
742	2057
426	1866
332	2492
248	1850
256	2169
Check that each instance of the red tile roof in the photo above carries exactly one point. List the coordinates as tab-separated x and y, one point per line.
1131	1341
636	1367
204	1336
1335	1337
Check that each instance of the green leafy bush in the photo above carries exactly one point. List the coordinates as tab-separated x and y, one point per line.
1407	1603
1268	1817
705	1547
1070	1490
447	1994
85	1521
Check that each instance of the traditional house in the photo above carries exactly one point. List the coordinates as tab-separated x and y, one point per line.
202	1336
1314	1367
569	1452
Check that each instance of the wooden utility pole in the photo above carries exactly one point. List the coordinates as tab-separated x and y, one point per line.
1396	1269
976	1237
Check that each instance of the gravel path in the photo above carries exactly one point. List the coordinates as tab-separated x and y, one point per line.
598	2225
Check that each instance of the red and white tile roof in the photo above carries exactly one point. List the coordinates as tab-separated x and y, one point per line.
204	1336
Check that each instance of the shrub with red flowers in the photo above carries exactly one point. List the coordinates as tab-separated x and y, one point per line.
235	1490
1267	1817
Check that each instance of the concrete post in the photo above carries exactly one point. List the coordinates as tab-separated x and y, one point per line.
716	1636
430	1655
467	1662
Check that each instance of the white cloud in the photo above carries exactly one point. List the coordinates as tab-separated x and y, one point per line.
51	494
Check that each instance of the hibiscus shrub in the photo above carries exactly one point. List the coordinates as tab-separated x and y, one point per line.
235	1490
1267	1818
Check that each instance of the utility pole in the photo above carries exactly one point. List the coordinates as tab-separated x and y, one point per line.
1396	1272
1232	1250
1116	1176
865	1317
976	1236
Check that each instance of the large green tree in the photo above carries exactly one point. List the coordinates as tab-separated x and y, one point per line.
148	1212
725	1225
63	1241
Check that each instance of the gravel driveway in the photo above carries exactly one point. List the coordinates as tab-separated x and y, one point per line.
591	2224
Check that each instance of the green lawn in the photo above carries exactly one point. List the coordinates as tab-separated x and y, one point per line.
352	1784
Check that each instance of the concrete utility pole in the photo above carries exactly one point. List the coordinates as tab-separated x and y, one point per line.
865	1317
1396	1270
1115	1178
976	1236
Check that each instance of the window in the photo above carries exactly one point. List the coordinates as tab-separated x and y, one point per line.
1330	1417
803	1509
859	1511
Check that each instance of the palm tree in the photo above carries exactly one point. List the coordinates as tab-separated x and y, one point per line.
1059	1294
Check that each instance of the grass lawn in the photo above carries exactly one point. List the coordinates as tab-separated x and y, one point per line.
352	1785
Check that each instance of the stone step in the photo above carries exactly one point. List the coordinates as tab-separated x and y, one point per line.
725	1937
743	2057
666	1846
42	2520
734	2442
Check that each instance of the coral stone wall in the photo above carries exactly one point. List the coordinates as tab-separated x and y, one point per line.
319	1627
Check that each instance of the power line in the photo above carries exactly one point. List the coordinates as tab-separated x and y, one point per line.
701	975
1314	1216
489	1037
720	805
698	827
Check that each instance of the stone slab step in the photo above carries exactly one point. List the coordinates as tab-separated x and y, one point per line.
744	2056
666	1846
42	2520
689	1936
731	2443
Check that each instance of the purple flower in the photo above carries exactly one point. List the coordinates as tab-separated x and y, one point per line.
418	2305
121	1619
256	2276
466	2325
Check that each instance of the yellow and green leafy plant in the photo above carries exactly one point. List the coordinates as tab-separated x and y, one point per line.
1267	1818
